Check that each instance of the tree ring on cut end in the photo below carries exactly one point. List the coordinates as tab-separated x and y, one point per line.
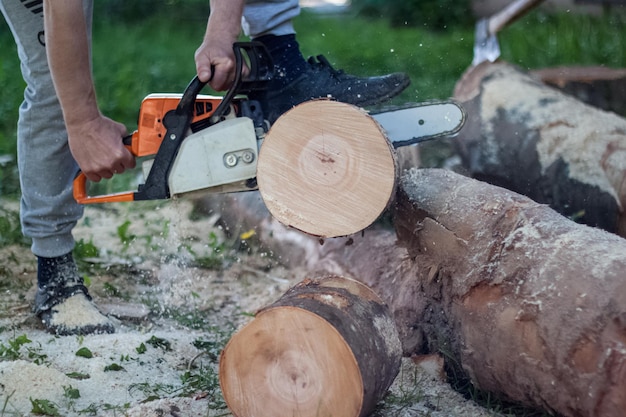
327	169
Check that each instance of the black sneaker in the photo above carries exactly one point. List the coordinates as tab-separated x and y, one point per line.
321	80
65	307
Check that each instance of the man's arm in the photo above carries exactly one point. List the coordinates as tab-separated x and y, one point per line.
214	58
95	141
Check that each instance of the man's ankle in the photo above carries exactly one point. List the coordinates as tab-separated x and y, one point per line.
53	270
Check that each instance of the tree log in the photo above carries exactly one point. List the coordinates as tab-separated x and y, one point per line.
326	168
327	347
540	142
527	304
600	87
534	304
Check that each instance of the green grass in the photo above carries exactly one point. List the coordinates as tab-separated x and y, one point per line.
541	40
433	60
132	61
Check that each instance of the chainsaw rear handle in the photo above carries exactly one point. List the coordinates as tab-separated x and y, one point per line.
81	196
177	123
80	186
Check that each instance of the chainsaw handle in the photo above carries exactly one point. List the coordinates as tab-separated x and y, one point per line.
188	100
261	71
80	185
81	196
228	97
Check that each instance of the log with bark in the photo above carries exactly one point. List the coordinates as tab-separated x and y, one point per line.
535	140
600	87
327	347
534	304
528	305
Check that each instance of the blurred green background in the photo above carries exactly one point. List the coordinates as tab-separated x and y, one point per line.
143	47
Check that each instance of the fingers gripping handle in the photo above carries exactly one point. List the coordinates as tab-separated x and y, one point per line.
80	186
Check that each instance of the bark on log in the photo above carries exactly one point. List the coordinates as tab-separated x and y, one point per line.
326	168
535	303
600	87
526	303
540	142
327	347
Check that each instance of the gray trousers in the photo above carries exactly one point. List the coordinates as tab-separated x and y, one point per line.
46	166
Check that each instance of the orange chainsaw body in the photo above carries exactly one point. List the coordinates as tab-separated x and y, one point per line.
147	139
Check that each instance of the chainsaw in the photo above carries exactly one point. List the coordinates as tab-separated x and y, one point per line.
191	142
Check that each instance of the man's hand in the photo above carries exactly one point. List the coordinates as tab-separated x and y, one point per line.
215	60
98	149
215	63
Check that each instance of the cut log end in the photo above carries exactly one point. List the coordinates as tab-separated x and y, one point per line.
327	169
327	347
290	359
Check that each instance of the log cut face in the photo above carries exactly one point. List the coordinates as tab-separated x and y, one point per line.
535	304
327	347
326	168
537	141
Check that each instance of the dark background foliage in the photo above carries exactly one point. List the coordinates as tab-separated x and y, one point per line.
431	14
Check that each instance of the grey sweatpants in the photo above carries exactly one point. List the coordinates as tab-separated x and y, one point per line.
48	210
264	17
46	166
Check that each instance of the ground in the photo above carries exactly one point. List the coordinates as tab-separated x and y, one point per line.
177	287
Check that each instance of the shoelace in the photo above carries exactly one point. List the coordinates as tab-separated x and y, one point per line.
322	64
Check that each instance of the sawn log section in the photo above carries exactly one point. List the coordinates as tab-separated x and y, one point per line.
526	303
326	168
327	347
